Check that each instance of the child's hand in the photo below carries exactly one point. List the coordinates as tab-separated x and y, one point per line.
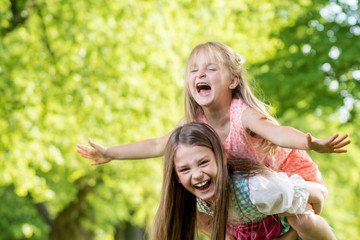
95	152
330	145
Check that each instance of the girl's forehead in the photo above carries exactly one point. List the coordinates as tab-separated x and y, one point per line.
188	153
205	56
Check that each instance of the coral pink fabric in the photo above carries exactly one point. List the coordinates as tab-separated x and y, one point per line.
239	144
266	229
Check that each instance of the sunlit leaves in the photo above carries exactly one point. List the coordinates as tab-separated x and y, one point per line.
114	71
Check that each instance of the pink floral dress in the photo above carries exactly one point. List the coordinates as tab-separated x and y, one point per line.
240	144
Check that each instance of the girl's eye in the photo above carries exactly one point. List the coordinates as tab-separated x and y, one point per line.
183	170
212	69
194	70
204	162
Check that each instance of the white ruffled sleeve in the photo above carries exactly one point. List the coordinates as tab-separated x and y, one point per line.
276	193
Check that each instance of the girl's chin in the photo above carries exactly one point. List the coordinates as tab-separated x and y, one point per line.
206	195
209	199
203	102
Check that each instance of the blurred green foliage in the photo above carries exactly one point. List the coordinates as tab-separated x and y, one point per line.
114	70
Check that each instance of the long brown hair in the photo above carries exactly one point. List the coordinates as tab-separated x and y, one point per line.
176	216
227	57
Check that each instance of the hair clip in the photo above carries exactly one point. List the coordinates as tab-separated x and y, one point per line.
240	58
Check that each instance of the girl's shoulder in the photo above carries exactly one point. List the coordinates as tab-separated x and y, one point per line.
239	183
238	106
239	102
242	210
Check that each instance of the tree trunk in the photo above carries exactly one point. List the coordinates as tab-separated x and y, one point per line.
68	224
126	231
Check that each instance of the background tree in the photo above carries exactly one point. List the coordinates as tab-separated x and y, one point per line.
114	71
313	83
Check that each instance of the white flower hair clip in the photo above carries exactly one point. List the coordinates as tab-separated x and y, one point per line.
240	58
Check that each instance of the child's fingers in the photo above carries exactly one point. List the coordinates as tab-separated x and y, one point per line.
80	151
332	138
340	150
85	148
340	139
80	146
86	156
90	153
340	145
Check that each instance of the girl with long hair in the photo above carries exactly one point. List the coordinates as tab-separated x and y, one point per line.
244	198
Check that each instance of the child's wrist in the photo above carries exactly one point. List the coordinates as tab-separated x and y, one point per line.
107	154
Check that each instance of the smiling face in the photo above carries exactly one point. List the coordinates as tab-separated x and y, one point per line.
196	170
209	80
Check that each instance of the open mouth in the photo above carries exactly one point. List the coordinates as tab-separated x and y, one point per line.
203	88
203	185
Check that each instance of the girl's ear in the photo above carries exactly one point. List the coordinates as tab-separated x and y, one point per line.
234	83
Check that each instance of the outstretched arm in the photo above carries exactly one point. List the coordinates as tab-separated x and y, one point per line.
289	137
148	148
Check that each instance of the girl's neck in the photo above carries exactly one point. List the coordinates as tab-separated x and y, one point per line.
219	119
218	115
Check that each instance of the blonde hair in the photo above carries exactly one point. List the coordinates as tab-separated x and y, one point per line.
227	57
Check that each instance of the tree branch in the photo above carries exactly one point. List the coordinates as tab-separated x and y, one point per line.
20	13
45	37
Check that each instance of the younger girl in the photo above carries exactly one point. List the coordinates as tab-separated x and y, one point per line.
217	93
242	197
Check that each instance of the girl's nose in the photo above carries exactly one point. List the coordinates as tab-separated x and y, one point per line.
198	175
201	73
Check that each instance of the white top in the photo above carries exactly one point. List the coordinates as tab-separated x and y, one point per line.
276	193
253	199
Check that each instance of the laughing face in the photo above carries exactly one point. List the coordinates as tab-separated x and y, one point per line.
196	170
209	81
